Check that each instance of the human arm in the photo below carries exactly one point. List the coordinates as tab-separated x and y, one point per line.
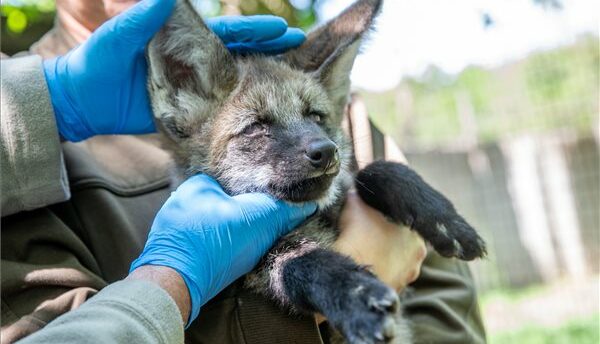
129	311
200	241
440	301
441	304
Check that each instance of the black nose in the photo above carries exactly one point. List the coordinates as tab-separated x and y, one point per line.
321	153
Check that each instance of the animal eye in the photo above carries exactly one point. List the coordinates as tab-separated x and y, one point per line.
255	128
315	116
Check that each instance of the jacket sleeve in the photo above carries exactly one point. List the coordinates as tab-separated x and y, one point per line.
442	304
124	312
33	170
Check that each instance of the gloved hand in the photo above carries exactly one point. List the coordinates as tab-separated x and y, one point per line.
211	239
100	87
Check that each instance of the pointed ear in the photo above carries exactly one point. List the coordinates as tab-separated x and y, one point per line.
330	50
190	72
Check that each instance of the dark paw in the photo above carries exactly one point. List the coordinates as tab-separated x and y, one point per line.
451	236
369	311
404	197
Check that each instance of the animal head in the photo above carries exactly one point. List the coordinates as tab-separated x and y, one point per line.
258	123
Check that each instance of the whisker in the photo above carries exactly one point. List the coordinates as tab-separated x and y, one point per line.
364	186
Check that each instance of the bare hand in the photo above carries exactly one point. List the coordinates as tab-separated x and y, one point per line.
395	253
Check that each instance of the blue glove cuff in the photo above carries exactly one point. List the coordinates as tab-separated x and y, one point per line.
69	123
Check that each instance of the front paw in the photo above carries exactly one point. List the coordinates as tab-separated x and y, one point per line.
404	197
451	236
366	311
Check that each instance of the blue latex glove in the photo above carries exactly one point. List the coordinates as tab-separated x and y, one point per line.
212	239
100	87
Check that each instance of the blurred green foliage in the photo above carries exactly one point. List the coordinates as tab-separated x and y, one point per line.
545	91
20	13
297	13
24	22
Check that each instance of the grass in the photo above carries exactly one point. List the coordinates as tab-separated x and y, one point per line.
582	329
579	331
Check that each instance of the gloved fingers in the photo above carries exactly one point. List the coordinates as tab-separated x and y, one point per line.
239	29
284	216
200	185
293	38
257	204
298	212
138	24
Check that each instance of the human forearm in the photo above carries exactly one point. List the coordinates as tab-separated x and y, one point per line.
130	311
169	280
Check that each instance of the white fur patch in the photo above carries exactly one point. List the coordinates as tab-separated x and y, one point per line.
276	277
442	229
357	290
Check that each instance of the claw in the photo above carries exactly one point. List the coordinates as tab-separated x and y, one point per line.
388	304
458	250
389	328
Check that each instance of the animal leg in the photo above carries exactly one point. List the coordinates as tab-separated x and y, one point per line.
402	195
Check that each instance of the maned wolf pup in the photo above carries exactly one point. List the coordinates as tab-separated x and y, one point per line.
272	124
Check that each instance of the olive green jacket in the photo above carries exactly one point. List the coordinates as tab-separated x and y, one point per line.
33	171
57	252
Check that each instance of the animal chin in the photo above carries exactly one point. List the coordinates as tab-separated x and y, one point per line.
309	189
